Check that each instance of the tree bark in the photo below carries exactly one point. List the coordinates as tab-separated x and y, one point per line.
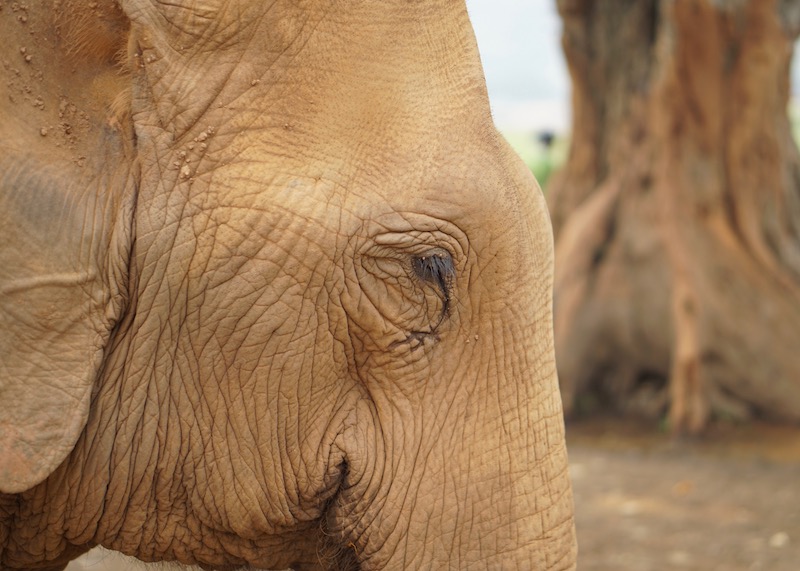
677	215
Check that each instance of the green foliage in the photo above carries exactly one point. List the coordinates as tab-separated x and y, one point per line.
542	159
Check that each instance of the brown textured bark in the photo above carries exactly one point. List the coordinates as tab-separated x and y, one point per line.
677	216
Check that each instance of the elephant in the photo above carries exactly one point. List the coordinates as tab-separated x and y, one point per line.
274	293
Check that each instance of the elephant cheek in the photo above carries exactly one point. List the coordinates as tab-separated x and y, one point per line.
491	492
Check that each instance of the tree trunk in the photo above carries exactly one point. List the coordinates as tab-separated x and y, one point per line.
677	216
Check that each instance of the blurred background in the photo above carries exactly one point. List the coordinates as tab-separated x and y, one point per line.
673	181
528	80
527	77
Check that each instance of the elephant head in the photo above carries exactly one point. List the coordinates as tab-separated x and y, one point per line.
273	293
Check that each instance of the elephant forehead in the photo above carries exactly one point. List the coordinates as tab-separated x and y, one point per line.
342	174
254	204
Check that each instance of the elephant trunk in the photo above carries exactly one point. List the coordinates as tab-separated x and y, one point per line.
490	491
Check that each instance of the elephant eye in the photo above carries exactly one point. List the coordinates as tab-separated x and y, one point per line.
437	269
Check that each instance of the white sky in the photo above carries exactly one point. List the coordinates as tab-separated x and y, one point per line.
520	46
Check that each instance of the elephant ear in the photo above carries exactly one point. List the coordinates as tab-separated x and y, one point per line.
65	226
62	254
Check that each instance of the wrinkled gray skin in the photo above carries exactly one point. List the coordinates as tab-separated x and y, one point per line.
273	292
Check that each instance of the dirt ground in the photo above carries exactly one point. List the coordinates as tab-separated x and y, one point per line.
646	502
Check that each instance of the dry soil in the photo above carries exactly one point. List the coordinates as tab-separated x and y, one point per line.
647	502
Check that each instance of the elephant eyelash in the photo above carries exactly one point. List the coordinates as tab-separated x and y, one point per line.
437	269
